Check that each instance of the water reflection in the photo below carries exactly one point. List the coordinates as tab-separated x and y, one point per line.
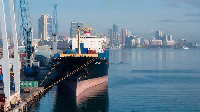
94	99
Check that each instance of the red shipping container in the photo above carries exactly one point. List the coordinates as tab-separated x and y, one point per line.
22	55
2	98
91	51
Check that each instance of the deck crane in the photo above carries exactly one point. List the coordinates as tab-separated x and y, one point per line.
27	37
55	26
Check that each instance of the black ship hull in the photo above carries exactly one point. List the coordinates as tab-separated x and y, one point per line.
91	74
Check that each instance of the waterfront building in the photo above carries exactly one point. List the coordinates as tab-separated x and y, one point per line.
196	43
74	28
110	36
138	40
167	40
107	41
115	34
158	35
146	41
167	37
124	35
132	42
99	35
155	42
182	40
168	43
45	27
118	41
129	33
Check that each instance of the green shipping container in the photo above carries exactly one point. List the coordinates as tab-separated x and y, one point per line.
29	83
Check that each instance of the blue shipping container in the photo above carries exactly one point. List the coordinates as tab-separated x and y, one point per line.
12	88
106	56
70	46
106	51
68	51
108	60
84	50
82	45
56	55
101	55
1	76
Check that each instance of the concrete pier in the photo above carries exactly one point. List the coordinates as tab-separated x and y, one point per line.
27	99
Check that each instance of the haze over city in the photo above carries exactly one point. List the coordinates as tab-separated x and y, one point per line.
99	55
181	18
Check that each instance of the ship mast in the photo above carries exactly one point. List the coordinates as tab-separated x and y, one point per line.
79	48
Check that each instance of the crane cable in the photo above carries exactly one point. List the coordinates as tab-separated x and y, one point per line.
48	74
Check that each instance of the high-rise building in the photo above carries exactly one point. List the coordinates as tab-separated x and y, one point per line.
118	41
110	36
129	33
158	34
124	33
74	28
167	37
45	27
167	40
115	34
155	42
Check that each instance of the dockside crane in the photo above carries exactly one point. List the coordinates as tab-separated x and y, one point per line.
27	37
55	26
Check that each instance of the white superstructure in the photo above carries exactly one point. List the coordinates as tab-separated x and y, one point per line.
90	42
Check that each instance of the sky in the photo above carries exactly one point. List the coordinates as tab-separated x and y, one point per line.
180	18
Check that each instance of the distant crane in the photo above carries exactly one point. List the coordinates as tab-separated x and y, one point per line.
55	26
27	36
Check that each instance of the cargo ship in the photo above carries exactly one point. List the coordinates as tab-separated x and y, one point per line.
85	63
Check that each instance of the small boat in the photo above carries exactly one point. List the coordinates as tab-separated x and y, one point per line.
184	47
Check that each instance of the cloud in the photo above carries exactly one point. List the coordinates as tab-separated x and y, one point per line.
171	21
193	14
193	21
167	20
195	3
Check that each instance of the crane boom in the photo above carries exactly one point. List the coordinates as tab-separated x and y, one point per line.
55	26
27	34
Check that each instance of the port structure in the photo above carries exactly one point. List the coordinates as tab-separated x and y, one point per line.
27	37
55	27
85	29
5	61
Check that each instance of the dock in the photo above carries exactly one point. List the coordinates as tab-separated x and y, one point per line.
28	96
23	101
28	99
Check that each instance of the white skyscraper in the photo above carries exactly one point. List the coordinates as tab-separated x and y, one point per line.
45	27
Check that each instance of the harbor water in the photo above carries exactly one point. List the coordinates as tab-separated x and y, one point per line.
162	80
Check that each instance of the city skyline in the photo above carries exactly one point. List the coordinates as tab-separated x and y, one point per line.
181	18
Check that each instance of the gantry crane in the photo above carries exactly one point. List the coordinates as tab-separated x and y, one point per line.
27	37
85	29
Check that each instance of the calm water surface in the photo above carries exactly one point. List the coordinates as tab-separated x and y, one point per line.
139	80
